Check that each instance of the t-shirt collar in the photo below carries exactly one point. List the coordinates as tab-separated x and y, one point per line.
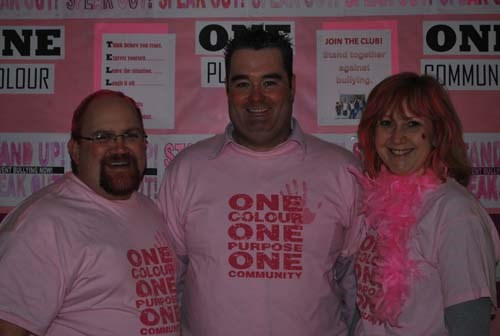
226	138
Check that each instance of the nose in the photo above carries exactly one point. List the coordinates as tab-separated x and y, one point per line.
119	141
398	135
256	93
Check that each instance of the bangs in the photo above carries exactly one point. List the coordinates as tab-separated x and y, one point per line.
407	99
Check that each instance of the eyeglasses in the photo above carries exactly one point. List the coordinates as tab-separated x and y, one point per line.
104	138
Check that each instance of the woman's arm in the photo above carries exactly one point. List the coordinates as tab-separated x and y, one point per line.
470	318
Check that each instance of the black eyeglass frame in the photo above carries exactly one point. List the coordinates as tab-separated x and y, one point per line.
108	137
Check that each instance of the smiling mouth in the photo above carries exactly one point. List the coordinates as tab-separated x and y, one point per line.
400	152
259	109
117	161
119	164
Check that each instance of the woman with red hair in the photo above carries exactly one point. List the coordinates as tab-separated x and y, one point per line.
427	263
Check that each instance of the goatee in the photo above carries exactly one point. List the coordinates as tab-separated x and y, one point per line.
120	175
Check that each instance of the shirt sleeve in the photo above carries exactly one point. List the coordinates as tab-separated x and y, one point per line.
354	226
170	204
31	281
471	318
466	254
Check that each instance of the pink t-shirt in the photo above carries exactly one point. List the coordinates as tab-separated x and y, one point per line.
73	263
456	246
262	232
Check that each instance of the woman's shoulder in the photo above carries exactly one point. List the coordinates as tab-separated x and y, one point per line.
452	194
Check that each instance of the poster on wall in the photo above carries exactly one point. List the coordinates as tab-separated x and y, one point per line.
29	162
462	55
483	150
139	60
70	9
352	58
161	150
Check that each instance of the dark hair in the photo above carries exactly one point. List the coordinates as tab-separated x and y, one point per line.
424	97
76	122
256	38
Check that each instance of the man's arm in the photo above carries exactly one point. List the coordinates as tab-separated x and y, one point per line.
9	329
346	280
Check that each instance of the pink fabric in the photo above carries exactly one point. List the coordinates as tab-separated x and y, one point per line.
73	263
391	203
455	247
262	232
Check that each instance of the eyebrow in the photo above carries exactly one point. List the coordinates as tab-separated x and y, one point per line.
273	75
123	131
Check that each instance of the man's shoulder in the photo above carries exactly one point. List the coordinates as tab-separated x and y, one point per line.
44	203
328	150
200	150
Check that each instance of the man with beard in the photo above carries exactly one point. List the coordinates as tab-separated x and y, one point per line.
87	255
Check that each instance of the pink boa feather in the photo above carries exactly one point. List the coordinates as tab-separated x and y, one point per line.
391	204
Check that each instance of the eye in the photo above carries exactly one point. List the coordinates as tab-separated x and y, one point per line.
269	83
103	136
241	84
132	135
385	123
413	123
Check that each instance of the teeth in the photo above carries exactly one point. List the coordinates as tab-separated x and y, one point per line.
257	110
119	163
400	151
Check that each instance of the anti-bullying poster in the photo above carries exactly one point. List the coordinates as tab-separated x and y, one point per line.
139	60
352	58
29	162
483	150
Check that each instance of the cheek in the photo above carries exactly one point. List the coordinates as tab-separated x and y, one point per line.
140	151
380	139
92	156
236	97
283	97
379	146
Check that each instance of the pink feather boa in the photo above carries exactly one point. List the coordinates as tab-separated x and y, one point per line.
391	204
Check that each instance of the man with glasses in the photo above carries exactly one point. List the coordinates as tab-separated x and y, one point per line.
88	254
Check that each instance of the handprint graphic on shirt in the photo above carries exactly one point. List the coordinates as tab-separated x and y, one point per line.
293	189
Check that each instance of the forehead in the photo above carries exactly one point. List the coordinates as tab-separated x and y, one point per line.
400	111
109	113
267	59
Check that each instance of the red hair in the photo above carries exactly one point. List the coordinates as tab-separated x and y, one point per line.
425	97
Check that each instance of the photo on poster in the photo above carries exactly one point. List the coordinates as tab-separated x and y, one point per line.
350	106
351	60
